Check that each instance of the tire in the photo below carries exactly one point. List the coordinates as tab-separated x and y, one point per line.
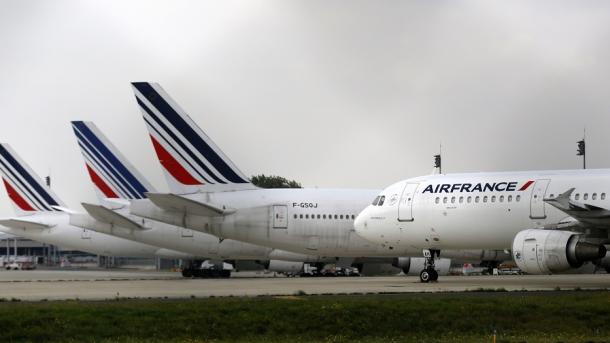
187	272
424	276
433	275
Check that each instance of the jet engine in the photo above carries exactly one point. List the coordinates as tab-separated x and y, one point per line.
287	267
549	251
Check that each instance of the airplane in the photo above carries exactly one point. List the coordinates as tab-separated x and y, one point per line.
43	217
552	220
210	194
116	181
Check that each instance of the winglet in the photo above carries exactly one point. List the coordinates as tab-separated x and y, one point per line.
561	201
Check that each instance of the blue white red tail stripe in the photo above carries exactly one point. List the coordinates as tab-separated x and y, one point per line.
24	187
19	186
173	132
105	163
108	169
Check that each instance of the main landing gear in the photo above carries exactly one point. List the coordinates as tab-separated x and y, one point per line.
429	273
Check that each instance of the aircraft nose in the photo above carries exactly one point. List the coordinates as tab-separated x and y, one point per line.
360	224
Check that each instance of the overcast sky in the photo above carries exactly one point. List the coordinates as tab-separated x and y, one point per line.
330	93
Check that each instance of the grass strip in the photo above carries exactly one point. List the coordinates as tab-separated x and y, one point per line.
473	317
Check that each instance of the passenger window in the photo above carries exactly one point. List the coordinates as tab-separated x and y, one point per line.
477	199
318	216
444	200
493	198
453	200
469	199
437	200
603	196
510	198
376	200
300	216
381	200
485	198
501	198
341	217
307	216
336	216
594	196
461	200
577	196
585	196
518	198
353	217
323	216
295	216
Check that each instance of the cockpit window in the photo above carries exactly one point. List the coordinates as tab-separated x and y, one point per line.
381	200
376	200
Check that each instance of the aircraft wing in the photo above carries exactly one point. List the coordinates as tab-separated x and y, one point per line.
177	203
584	213
22	224
107	215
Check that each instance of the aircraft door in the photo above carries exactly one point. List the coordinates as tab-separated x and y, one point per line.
280	216
537	210
405	206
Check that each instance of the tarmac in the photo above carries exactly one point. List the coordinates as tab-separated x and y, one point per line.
38	285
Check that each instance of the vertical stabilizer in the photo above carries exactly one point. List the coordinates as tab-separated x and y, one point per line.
26	190
113	176
190	159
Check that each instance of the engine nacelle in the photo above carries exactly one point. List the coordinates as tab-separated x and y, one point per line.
287	267
549	251
414	265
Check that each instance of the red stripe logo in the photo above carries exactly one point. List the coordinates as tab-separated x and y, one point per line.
172	166
101	185
526	185
17	199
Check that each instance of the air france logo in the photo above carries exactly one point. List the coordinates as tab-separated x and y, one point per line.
477	187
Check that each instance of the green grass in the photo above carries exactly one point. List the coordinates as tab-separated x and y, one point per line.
465	317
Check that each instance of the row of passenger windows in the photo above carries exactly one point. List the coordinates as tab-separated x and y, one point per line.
477	199
508	198
324	216
585	196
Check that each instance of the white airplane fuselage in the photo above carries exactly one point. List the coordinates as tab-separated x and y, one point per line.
475	210
199	244
305	221
62	234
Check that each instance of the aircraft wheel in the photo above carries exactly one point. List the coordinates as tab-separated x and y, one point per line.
433	275
187	272
424	276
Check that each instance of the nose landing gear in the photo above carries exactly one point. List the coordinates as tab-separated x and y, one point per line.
429	273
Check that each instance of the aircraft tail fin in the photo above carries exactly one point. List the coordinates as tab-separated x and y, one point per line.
191	160
26	190
111	173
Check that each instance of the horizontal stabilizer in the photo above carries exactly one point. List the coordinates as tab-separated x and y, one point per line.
106	215
177	203
22	224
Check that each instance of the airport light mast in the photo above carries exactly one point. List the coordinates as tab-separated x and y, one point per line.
437	163
581	152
